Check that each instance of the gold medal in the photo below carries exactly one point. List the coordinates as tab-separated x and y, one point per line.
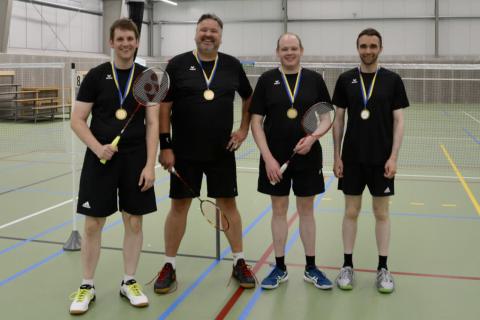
365	114
208	94
292	113
121	114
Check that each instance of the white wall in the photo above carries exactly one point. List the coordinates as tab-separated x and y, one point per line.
45	28
412	37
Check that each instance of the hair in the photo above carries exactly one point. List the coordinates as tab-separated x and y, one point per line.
211	16
291	34
124	24
370	32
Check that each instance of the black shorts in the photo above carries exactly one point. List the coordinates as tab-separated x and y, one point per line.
221	178
357	176
102	186
305	182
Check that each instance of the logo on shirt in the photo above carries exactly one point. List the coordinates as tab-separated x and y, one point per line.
192	68
109	77
276	83
354	81
86	205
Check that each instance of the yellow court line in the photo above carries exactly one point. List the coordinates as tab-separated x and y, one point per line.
462	180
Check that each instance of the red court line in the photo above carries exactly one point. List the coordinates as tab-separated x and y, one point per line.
263	260
411	274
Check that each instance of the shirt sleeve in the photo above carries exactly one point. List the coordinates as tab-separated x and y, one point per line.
170	70
324	96
244	88
400	98
258	105
88	90
339	94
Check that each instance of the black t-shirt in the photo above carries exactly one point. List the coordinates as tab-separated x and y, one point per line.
99	87
201	129
271	100
369	141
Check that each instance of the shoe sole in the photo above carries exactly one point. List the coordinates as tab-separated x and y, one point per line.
382	290
269	287
345	288
172	288
247	285
140	305
323	287
78	312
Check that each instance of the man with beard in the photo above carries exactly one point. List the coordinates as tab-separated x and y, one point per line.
374	98
199	108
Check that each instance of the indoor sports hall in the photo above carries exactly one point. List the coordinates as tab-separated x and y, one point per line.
48	46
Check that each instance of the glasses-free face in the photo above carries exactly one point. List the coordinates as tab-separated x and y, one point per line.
369	49
208	36
124	44
289	51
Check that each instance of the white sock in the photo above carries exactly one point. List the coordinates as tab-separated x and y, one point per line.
170	260
87	281
236	256
127	278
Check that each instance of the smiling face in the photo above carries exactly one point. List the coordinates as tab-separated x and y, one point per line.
369	49
124	44
289	52
208	37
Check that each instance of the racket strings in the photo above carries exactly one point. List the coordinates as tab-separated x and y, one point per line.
214	215
318	118
151	87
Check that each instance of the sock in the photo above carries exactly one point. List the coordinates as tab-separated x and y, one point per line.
310	262
88	281
237	256
347	260
170	260
382	262
127	278
280	262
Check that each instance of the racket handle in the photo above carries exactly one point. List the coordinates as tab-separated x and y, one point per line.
114	144
282	170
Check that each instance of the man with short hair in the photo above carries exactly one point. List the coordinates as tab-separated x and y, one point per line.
374	98
129	173
199	109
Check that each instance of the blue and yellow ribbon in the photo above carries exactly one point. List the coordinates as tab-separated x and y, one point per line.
292	95
366	96
122	96
208	80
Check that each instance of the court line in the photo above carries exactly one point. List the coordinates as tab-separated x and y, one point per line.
472	117
256	295
204	274
34	183
462	180
472	136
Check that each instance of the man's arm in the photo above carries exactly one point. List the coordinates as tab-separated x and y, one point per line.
240	135
398	130
166	158
338	128
78	123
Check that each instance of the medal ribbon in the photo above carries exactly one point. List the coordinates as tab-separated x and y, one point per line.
292	95
208	80
365	96
123	96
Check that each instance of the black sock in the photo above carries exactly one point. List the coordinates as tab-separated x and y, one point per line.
310	262
280	262
348	260
382	262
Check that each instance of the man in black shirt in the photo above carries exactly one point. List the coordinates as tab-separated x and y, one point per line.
281	98
106	94
374	98
199	108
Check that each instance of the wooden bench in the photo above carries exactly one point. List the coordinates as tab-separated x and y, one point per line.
51	111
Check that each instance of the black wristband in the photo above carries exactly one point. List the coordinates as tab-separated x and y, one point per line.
165	141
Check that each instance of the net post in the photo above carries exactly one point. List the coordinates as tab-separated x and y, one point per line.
217	235
74	242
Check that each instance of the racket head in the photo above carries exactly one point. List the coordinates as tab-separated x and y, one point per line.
214	215
151	87
318	119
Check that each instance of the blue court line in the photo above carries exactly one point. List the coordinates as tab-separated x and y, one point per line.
59	252
256	295
472	136
336	211
52	229
204	274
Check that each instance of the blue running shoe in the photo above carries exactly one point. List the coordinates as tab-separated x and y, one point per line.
274	279
318	278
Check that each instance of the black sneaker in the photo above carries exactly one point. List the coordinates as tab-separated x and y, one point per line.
166	280
243	274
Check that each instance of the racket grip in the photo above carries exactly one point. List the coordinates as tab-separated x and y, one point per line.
114	144
282	170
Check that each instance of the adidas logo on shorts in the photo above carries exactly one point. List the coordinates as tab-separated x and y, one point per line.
387	190
86	205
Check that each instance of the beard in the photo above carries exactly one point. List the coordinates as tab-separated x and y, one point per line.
369	60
